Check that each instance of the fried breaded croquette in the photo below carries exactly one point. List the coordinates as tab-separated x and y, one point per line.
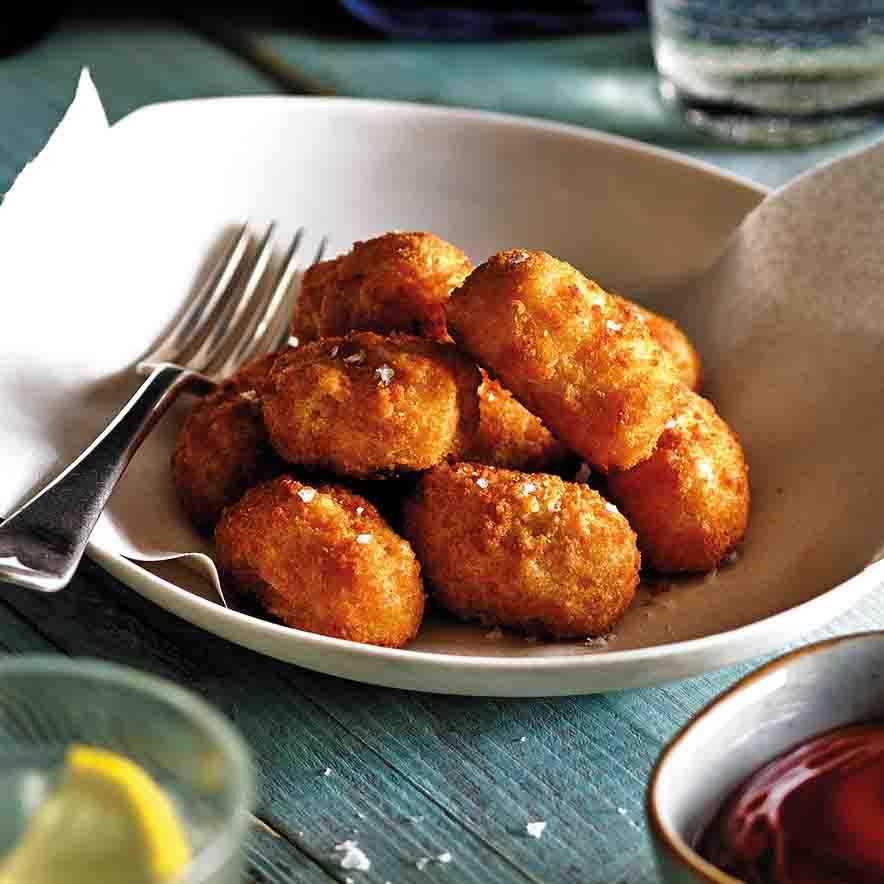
222	448
323	560
365	406
689	502
579	359
675	342
394	282
510	436
526	550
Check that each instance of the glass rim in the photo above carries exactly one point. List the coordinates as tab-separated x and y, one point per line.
223	844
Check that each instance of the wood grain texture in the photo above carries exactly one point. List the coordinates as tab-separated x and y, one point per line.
363	798
411	775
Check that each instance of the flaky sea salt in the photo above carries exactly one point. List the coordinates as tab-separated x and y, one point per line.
384	375
535	830
353	857
482	482
360	510
249	395
611	508
622	811
494	634
356	358
327	772
306	494
294	341
613	326
445	857
528	488
363	538
422	863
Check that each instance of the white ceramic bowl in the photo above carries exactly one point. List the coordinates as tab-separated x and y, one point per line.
637	219
814	689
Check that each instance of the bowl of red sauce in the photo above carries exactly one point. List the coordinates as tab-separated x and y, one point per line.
780	780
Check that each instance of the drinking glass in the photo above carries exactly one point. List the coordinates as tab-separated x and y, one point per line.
772	71
47	703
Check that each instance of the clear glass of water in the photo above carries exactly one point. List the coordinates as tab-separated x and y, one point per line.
49	703
772	71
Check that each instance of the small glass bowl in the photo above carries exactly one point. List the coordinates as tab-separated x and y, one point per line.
48	702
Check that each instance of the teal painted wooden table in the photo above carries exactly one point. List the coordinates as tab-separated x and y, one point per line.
410	776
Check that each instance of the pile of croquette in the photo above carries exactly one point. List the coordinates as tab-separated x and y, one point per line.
510	440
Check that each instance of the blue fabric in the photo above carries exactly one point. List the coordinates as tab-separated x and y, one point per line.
489	20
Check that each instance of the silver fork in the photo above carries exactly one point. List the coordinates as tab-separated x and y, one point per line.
230	320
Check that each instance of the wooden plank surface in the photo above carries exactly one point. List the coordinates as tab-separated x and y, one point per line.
411	776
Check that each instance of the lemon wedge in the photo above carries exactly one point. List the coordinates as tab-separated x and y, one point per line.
107	822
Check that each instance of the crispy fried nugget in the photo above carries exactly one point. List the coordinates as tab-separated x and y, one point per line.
510	436
526	550
395	282
223	449
323	560
579	359
365	406
689	502
675	342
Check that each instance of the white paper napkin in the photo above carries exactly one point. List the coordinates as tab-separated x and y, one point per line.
77	315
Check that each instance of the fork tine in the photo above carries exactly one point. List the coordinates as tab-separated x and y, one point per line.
259	333
280	335
229	313
323	245
188	326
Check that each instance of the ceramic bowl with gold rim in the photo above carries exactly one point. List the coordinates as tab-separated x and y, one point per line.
813	690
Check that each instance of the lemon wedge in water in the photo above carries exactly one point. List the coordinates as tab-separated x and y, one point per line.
107	822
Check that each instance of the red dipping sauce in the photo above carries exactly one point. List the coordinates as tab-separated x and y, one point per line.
812	816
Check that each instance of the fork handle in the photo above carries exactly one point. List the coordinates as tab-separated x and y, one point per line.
42	542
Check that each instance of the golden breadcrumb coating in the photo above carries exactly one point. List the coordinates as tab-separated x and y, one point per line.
323	560
365	406
510	436
394	282
305	319
575	356
222	448
526	550
675	342
689	502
